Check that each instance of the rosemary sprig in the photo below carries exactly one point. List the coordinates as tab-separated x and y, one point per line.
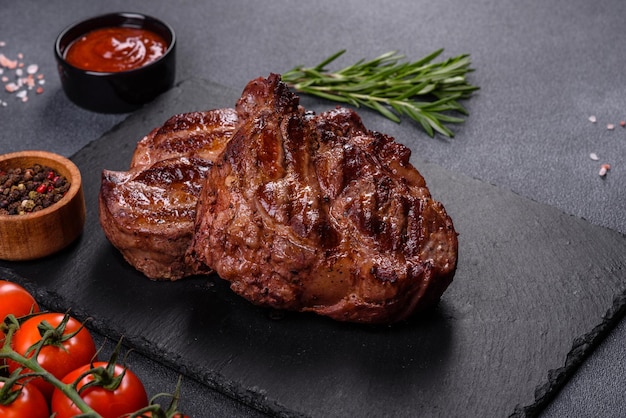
423	90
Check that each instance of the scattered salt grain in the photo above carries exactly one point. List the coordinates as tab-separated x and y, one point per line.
604	168
11	87
594	156
592	119
610	126
7	63
26	77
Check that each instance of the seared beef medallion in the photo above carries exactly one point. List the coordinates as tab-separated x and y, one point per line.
297	211
148	213
316	213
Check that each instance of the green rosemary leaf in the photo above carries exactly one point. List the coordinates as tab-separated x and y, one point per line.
448	118
428	58
355	87
384	111
321	65
437	125
419	89
329	96
422	121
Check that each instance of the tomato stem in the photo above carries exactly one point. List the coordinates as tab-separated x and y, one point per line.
7	393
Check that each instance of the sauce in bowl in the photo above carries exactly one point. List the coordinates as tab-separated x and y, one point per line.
115	49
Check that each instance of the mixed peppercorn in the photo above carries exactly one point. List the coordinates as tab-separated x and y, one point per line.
25	190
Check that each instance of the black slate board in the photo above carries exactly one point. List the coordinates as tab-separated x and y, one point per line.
534	290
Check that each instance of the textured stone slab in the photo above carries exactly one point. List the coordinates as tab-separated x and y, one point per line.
535	288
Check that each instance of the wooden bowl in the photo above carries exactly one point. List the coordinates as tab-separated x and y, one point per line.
44	232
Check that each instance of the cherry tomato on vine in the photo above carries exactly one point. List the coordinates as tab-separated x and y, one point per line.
68	347
29	403
110	402
16	300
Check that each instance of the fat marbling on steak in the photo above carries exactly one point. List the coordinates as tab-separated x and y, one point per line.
317	213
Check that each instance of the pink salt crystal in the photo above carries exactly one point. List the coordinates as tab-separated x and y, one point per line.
11	87
7	63
604	168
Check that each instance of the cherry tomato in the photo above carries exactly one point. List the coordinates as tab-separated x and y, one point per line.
16	300
130	396
30	403
63	355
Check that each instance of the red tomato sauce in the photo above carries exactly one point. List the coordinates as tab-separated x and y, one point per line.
115	49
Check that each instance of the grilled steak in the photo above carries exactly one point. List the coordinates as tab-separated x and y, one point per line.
148	213
317	213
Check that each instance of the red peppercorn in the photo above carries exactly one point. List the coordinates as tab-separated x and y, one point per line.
41	188
50	175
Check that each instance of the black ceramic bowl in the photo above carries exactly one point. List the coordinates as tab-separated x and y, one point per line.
116	92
